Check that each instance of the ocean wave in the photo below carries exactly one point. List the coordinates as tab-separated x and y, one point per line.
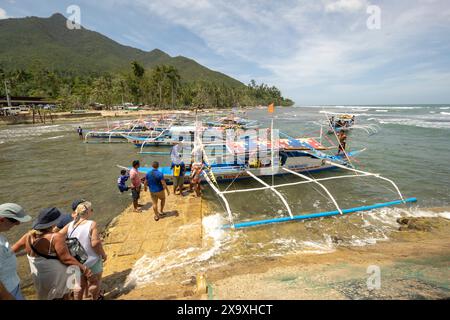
444	108
445	113
54	138
374	107
382	110
429	123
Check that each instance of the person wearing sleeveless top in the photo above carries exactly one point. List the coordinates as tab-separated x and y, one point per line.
49	257
86	232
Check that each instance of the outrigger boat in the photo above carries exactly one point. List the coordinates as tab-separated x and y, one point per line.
304	156
234	122
337	122
340	122
140	129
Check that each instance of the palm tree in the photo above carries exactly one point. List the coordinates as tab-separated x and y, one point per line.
159	75
174	78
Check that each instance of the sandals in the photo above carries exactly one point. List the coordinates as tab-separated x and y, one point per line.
156	217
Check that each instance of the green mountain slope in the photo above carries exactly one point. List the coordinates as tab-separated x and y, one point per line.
34	42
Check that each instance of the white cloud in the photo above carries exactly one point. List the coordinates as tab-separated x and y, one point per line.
300	47
346	5
3	14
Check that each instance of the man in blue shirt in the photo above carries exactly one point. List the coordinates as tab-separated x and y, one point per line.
155	181
121	181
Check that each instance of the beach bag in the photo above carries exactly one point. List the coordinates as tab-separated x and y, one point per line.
176	170
76	249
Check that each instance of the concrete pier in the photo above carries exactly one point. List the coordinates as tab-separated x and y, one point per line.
132	235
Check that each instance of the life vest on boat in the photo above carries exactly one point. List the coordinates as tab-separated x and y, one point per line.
255	163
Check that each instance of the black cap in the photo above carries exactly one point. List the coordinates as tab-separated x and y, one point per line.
76	203
65	220
47	217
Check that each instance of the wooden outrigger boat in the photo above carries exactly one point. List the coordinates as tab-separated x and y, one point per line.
139	129
234	122
336	122
301	158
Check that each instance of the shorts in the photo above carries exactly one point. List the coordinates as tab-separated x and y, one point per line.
97	267
122	188
178	181
157	195
135	193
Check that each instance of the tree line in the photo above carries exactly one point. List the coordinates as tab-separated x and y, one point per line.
160	87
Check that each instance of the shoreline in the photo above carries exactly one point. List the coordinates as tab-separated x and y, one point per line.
414	263
59	117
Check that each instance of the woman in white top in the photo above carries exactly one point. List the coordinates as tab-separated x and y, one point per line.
86	232
49	257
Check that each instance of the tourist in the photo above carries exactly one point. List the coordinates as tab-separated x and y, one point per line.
283	157
135	185
85	230
342	142
178	167
11	215
67	218
156	183
195	176
121	181
179	171
176	152
80	133
49	257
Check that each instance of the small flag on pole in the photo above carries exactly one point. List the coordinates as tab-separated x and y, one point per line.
271	108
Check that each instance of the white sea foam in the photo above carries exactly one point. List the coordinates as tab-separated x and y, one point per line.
382	110
444	108
149	269
54	138
432	123
445	113
375	107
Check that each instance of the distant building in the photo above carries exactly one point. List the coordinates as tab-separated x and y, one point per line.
23	104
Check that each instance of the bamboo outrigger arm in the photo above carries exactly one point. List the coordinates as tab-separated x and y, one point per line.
216	190
283	199
364	172
319	184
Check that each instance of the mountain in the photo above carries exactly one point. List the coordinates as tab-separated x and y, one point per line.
34	42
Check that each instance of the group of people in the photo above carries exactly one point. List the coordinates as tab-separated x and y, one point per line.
64	251
155	182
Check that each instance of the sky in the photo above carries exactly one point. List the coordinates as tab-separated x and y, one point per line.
317	52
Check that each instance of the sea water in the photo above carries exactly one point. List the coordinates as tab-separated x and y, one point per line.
46	166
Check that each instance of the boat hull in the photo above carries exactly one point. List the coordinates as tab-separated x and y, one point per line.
225	173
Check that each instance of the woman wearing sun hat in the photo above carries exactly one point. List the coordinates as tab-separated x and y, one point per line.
11	215
86	231
49	257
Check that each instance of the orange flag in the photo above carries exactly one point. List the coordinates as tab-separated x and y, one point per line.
271	108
